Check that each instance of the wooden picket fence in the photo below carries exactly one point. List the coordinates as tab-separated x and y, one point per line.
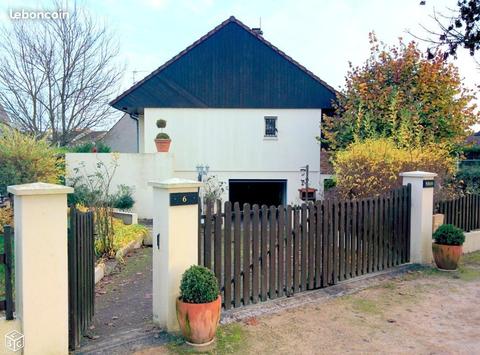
259	253
463	212
81	274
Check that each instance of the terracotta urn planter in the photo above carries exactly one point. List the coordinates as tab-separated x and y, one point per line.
198	321
163	145
446	256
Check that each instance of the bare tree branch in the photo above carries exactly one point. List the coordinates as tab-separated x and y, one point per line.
57	75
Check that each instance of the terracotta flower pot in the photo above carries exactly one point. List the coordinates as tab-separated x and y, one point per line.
199	321
446	256
163	145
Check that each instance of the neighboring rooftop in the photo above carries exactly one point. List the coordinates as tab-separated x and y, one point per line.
232	66
474	138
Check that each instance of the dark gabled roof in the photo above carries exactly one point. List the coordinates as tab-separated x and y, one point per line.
230	67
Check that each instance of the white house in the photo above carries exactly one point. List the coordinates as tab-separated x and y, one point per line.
238	104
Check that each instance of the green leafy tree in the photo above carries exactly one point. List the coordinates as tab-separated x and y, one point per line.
24	159
400	94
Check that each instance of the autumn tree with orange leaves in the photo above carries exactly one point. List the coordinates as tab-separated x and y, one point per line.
400	94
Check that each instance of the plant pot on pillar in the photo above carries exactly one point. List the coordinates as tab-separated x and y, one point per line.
162	141
447	248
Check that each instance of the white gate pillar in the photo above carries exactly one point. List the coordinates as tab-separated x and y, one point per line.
175	243
421	211
41	266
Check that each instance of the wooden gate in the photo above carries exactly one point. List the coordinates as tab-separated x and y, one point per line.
6	258
81	274
260	253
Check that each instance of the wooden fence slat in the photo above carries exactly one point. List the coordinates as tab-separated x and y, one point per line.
381	235
325	242
246	253
303	248
217	241
354	269
207	257
72	281
7	248
264	260
371	231
409	203
237	247
341	242
311	246
296	249
200	235
227	254
365	243
289	285
281	251
272	261
390	230
335	242
318	243
348	239
400	225
374	235
256	253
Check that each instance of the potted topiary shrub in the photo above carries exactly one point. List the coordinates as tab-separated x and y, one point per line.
199	305
447	247
162	141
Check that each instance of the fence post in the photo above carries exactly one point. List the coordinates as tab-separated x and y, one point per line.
175	243
421	211
41	266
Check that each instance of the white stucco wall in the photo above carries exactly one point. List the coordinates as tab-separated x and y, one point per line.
472	242
232	143
133	170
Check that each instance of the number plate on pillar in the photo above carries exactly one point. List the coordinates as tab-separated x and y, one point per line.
428	183
183	198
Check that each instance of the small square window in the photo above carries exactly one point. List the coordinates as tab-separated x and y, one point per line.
271	126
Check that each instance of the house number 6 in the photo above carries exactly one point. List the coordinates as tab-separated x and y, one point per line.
184	199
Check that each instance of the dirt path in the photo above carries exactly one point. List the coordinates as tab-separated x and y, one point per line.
422	312
123	301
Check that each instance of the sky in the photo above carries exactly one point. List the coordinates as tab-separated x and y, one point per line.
323	35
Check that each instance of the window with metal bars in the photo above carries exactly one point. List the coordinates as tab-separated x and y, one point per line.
271	126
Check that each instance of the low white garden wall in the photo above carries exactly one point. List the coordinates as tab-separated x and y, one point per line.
133	169
472	242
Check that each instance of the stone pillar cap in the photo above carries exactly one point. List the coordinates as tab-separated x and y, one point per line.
175	183
39	188
418	174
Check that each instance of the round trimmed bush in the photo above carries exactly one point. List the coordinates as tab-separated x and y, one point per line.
198	285
161	123
448	234
163	136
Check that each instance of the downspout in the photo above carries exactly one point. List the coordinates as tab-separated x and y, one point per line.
135	117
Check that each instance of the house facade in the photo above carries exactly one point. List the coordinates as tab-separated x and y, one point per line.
238	104
123	136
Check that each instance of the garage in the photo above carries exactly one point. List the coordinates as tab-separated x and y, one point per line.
261	192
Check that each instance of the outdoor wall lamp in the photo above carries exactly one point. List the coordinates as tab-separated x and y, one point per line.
202	170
